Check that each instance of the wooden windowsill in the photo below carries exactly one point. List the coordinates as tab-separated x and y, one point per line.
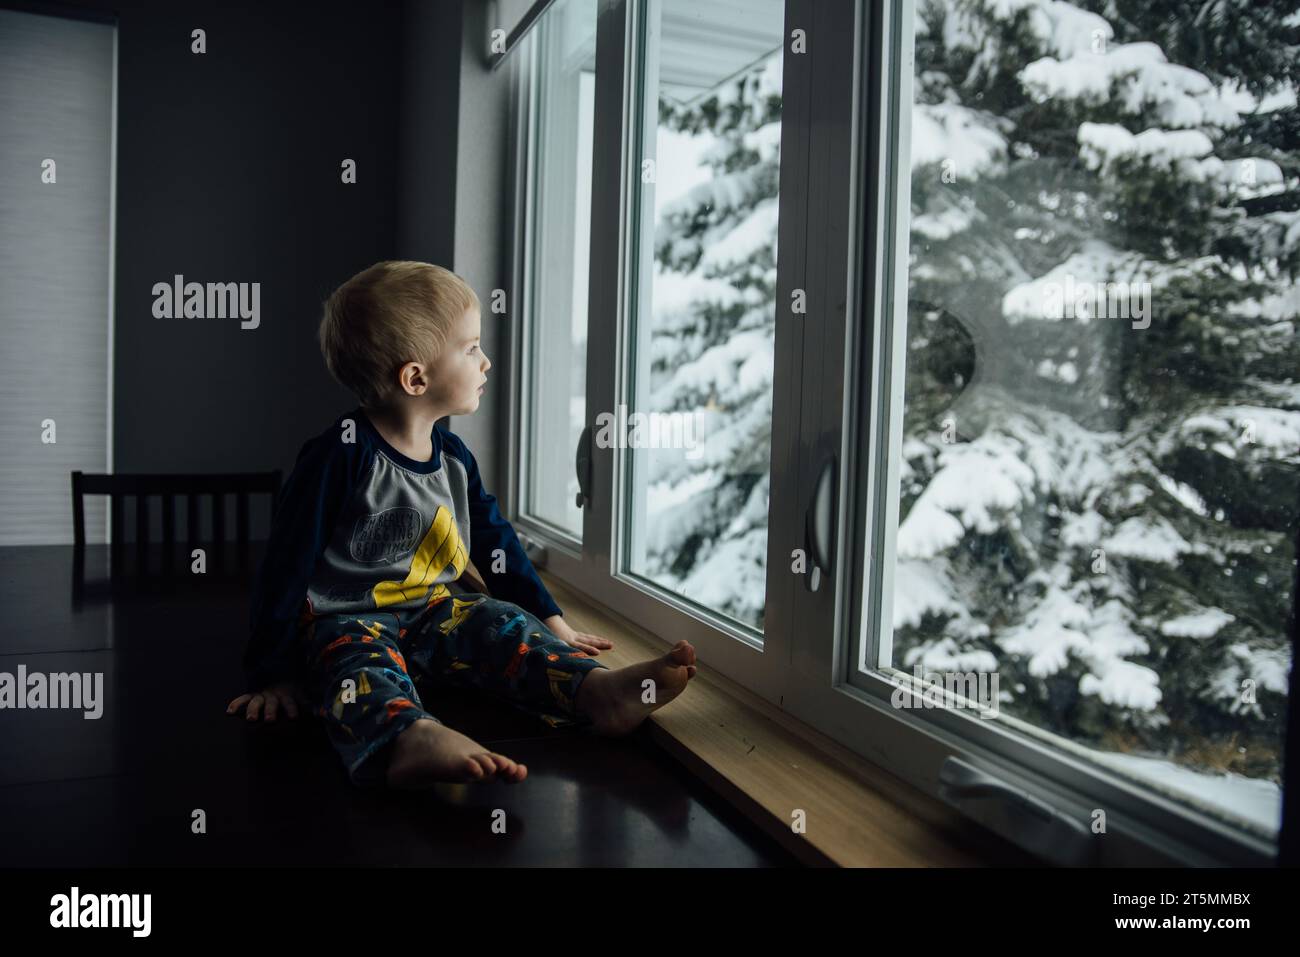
767	763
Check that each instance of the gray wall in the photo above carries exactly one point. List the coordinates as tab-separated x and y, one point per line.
428	130
228	170
482	253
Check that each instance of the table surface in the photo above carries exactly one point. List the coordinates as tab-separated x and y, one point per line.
123	789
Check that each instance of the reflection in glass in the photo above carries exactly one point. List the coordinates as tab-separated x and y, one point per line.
1101	436
704	319
559	240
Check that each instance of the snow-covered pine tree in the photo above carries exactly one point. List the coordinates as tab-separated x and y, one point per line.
713	329
1100	512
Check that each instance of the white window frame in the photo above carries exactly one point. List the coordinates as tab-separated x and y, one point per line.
837	373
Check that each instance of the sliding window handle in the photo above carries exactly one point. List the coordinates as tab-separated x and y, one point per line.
1021	818
819	527
582	465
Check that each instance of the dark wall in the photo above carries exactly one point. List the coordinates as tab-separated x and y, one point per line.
228	170
483	195
428	127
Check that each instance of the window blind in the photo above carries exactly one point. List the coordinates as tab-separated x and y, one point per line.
57	119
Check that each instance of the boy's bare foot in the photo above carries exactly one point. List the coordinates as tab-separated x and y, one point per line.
612	698
428	752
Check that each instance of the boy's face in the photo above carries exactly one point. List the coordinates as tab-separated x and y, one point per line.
458	375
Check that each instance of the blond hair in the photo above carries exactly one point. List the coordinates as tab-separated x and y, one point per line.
392	313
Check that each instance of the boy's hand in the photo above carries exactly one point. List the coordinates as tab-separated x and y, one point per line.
287	693
591	644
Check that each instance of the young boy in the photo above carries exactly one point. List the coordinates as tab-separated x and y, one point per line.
382	510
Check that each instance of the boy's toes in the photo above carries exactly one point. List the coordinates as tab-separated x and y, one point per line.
509	769
489	763
682	654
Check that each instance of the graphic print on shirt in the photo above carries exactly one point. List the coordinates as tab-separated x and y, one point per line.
364	529
398	543
440	549
385	536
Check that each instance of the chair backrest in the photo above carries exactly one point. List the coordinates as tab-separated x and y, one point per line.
170	487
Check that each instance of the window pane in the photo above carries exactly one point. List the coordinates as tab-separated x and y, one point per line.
559	237
56	100
700	416
1101	428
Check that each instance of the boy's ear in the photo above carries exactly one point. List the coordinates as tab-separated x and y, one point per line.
414	372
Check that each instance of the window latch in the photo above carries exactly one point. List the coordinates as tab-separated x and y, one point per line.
819	527
582	466
1019	817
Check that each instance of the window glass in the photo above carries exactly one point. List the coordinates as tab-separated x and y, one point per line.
1100	447
699	423
559	242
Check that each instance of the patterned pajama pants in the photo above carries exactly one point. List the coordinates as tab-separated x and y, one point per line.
362	669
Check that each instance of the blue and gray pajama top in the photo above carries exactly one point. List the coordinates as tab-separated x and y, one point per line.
361	527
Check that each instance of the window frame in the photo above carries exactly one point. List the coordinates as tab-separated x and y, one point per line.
525	94
621	40
842	121
1144	826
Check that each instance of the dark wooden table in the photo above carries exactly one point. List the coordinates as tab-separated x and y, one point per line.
124	789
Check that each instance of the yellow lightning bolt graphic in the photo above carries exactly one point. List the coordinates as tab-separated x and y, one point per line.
440	549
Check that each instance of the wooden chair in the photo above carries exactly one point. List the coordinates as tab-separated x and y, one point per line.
192	488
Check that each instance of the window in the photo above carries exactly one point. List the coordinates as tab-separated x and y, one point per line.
1013	408
685	406
58	124
699	399
562	53
1085	390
